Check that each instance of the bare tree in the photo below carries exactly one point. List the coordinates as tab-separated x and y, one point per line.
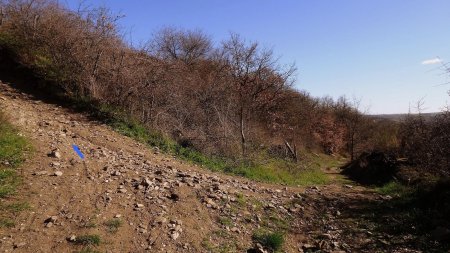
349	114
185	45
256	78
214	98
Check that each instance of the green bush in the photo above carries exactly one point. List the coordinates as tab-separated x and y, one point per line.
270	240
113	225
88	240
395	188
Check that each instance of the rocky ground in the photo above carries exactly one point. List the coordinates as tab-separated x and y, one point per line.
136	199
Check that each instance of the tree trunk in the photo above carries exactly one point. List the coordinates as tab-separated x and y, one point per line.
242	132
352	148
293	151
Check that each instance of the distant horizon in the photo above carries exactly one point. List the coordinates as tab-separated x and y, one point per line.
387	53
413	113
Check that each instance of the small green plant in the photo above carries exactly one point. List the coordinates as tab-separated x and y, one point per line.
240	198
113	225
270	240
9	180
90	224
15	207
228	247
207	245
6	223
222	233
88	240
279	223
225	221
395	189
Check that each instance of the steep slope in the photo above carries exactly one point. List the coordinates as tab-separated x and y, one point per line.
128	198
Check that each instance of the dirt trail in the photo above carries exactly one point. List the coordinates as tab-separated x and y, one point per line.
164	205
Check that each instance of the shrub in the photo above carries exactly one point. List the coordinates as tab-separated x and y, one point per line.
88	240
113	225
424	141
270	240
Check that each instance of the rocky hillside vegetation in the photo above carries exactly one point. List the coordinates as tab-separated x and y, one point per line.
223	105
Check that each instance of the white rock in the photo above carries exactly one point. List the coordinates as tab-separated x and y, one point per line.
175	235
72	238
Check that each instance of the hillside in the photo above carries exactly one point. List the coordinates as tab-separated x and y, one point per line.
125	197
234	99
184	143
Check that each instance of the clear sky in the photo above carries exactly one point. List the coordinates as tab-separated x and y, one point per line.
381	51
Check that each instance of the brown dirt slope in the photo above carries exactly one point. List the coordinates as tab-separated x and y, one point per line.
137	200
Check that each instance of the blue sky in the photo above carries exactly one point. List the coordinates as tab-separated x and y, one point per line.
371	50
